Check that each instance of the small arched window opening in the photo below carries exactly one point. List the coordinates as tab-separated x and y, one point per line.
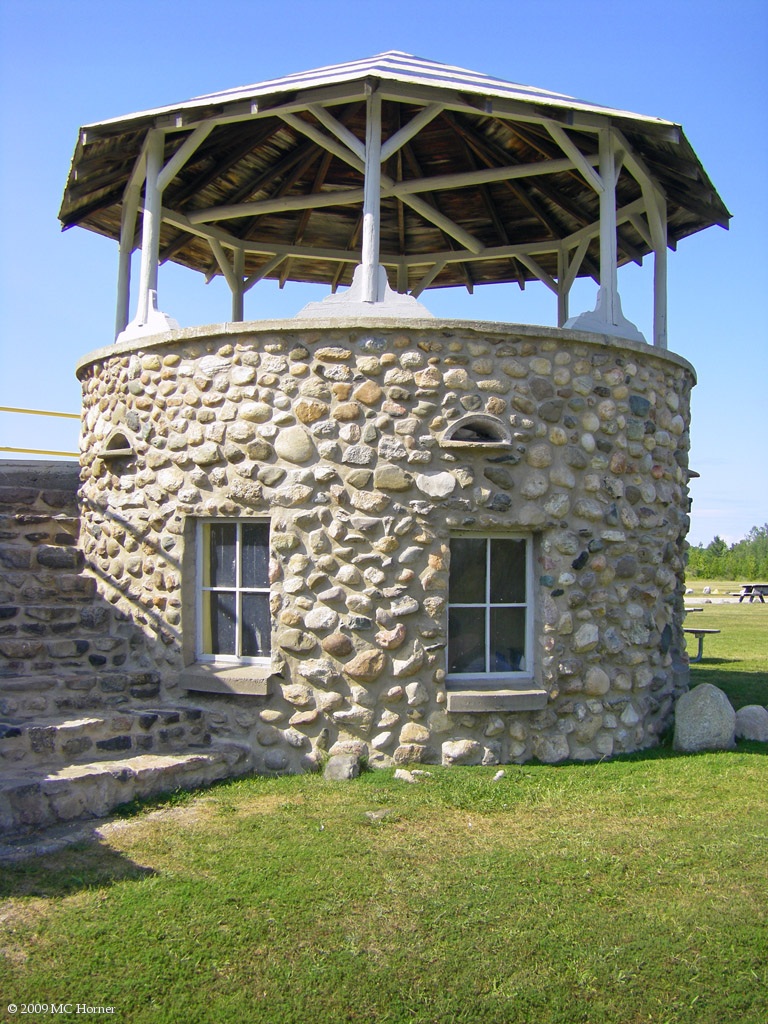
479	429
117	447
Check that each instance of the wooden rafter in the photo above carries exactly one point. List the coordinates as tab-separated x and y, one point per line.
301	227
415	169
570	206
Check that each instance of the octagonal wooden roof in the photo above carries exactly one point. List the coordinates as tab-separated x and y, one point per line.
482	180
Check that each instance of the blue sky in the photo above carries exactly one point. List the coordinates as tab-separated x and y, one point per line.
702	64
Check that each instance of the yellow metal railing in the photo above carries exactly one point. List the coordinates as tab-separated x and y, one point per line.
39	412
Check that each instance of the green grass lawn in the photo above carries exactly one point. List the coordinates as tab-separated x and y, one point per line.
736	660
632	891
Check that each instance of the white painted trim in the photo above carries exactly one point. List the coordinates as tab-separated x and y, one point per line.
469	680
225	659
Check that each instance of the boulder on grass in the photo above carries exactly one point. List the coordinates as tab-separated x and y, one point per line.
342	767
704	720
752	723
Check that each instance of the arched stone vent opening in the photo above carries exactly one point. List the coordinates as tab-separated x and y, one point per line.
477	429
117	447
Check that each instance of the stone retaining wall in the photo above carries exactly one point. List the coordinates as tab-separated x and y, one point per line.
62	646
337	434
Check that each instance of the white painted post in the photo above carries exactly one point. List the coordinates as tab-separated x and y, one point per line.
238	260
562	287
608	302
372	200
150	227
128	215
659	235
124	271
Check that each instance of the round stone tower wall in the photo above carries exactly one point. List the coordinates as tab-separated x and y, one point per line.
366	447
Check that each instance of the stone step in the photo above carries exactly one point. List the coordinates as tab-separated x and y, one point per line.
36	797
72	691
62	739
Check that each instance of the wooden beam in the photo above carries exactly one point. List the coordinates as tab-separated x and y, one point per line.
428	278
481	176
262	247
538	271
325	141
342	133
398	189
182	154
415	170
446	225
575	263
570	148
301	227
642	228
406	132
224	265
285	204
262	272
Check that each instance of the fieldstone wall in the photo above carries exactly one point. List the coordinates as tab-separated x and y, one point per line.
62	646
336	433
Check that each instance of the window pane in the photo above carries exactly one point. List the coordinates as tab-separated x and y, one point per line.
507	652
466	583
255	555
466	640
507	571
221	555
256	625
219	610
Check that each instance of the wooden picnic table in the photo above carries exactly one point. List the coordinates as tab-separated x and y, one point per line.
699	634
754	591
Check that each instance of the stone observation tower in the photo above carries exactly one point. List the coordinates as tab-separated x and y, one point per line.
366	530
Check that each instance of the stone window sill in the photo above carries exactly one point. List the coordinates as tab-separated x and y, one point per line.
518	699
247	680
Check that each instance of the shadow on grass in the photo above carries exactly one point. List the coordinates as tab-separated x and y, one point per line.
741	688
66	867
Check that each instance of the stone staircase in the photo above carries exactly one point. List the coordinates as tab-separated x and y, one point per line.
59	768
83	726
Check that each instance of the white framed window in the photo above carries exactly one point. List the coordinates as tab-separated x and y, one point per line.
234	622
490	614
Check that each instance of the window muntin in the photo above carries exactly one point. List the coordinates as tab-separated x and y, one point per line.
233	599
489	608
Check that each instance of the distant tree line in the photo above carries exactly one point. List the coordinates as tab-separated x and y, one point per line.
746	561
